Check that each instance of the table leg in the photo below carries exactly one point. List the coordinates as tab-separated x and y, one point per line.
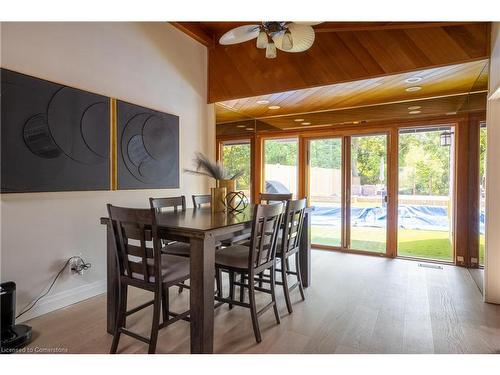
305	251
112	279
202	293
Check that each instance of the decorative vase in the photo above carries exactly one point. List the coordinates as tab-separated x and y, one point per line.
218	199
230	186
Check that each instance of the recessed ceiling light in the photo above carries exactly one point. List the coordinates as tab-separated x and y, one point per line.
306	123
249	129
298	120
262	101
414	107
451	113
413	79
414	112
274	107
240	126
413	88
355	122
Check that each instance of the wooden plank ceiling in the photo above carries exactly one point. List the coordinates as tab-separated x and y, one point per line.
341	52
354	72
436	82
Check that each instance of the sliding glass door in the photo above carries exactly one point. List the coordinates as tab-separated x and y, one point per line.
281	166
425	210
349	209
325	191
236	156
368	193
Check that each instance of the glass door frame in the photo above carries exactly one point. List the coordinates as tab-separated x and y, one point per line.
460	196
221	141
391	226
300	156
453	199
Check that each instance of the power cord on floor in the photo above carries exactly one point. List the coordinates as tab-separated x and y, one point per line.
83	266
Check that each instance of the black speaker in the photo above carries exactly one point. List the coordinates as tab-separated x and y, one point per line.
13	337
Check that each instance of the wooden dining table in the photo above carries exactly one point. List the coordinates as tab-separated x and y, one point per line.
202	229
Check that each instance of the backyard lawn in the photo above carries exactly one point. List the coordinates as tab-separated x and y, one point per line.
411	242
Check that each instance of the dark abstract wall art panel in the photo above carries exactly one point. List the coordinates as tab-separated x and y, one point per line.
54	137
148	148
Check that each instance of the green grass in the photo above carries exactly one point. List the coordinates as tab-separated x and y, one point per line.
414	243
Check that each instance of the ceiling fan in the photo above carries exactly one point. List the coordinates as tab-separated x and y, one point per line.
285	36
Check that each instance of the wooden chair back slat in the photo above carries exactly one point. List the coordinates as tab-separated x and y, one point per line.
163	204
133	228
200	200
292	227
137	251
265	228
174	204
268	198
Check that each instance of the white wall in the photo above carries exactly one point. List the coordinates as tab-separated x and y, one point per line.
150	64
492	256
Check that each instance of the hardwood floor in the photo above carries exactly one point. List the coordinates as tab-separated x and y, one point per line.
356	304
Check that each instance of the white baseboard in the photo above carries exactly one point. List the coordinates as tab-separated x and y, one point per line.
64	298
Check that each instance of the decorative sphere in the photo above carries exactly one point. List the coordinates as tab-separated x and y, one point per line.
236	201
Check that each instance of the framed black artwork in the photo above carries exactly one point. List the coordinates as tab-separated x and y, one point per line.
147	148
54	137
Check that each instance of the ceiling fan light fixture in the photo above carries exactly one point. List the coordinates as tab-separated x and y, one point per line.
287	42
262	39
271	50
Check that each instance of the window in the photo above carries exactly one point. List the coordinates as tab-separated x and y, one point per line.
281	160
237	156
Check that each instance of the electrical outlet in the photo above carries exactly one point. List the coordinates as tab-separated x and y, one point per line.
77	265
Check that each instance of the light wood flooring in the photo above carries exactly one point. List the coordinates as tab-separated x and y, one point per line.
356	304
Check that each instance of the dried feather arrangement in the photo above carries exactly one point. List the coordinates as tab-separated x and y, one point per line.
214	169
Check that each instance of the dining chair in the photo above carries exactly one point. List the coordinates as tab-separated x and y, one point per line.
174	204
272	197
249	261
206	199
269	198
200	200
288	245
143	267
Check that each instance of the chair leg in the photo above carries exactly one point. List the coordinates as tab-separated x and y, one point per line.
286	292
120	317
156	323
165	304
231	288
242	289
299	276
218	282
253	309
273	294
125	302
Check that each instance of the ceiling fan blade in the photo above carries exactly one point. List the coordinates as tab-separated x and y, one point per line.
302	38
240	34
307	23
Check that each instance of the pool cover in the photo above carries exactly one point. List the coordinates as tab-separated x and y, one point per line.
409	217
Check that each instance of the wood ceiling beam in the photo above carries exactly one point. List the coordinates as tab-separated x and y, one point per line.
195	31
328	27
